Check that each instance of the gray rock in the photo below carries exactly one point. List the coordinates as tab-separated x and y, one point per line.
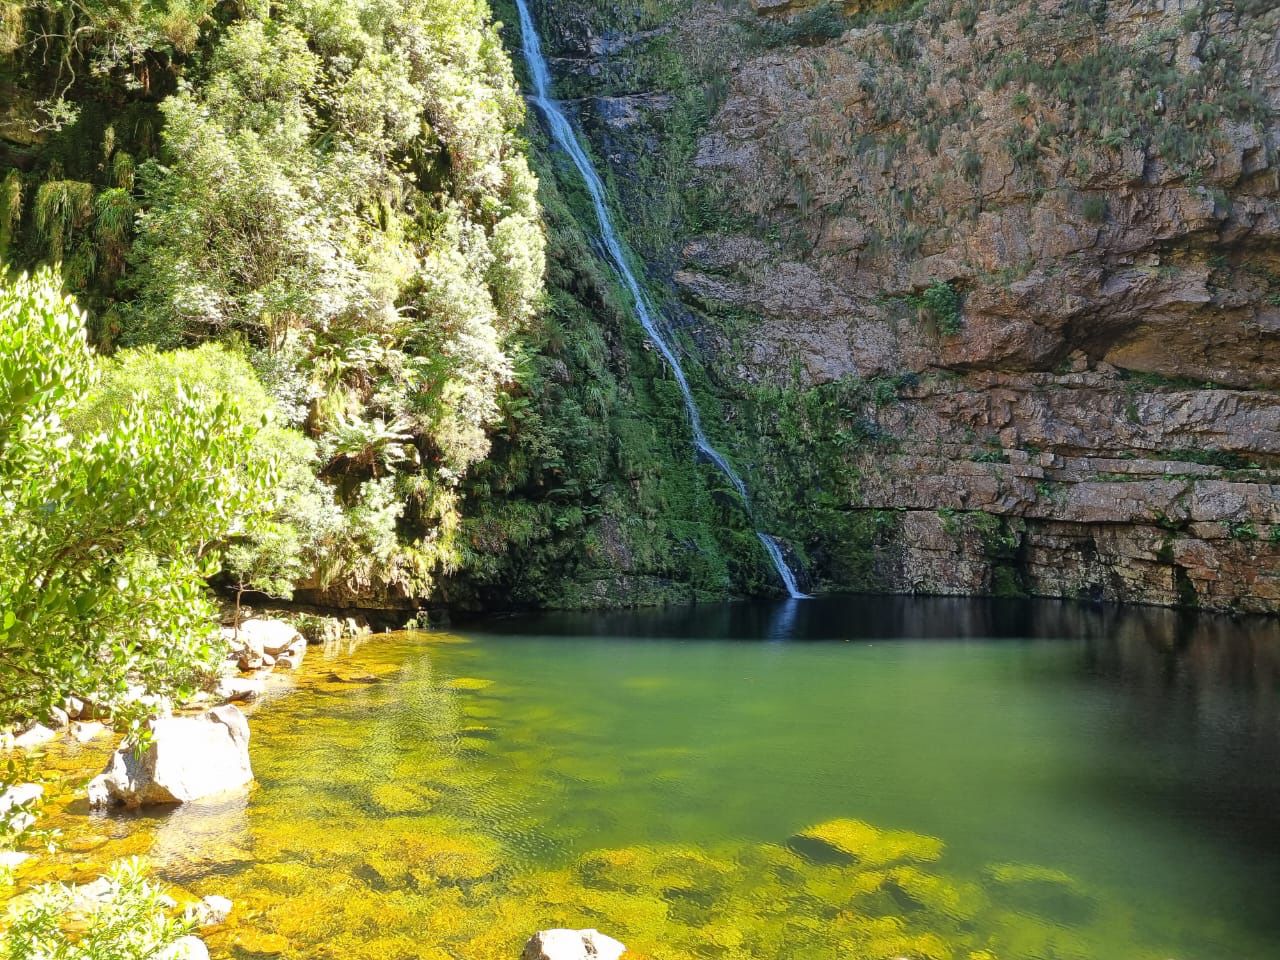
187	758
16	797
561	944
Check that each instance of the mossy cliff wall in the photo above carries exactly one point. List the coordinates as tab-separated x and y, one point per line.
986	293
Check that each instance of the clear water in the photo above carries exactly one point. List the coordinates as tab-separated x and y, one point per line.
566	138
841	777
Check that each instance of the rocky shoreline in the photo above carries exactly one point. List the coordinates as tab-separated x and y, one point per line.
200	751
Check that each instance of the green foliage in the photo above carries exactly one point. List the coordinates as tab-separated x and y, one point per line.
10	210
1095	208
126	921
813	25
941	304
106	535
301	529
339	189
1242	530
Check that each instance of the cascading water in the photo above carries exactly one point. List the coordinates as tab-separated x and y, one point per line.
565	136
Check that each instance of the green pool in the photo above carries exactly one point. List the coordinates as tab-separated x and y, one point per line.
842	778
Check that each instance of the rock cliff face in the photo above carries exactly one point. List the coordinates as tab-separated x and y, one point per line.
988	291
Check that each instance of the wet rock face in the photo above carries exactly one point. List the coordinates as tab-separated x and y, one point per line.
1096	186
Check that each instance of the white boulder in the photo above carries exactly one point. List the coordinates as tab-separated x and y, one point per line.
269	637
14	800
34	736
244	689
187	758
82	731
562	944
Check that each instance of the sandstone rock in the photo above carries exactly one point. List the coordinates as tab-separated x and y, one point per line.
560	944
187	758
269	637
59	717
291	659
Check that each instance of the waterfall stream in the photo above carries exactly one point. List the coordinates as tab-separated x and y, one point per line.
563	134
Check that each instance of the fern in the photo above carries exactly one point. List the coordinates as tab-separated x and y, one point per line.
62	207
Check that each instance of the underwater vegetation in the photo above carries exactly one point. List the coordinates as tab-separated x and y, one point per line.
431	831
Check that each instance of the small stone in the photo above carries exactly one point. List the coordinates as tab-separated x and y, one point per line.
562	944
59	717
82	731
238	689
11	859
75	708
35	736
208	912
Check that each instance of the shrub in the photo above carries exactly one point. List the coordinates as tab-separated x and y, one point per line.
107	535
941	303
127	921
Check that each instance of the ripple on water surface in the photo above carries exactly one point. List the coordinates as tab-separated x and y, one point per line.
962	780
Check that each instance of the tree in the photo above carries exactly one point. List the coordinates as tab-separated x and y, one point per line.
108	533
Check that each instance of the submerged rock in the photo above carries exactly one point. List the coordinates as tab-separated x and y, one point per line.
848	841
187	758
563	944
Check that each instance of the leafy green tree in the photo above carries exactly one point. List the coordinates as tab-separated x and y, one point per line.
107	535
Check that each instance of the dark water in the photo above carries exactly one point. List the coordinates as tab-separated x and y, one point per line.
840	778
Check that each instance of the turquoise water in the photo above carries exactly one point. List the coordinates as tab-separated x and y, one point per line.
837	778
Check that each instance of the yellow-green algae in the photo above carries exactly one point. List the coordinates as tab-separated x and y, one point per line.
340	852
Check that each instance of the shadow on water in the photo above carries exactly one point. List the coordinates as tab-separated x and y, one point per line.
865	617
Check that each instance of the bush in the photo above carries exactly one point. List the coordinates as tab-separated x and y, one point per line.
107	535
1095	208
126	922
941	303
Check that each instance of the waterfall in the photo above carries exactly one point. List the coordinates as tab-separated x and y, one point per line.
563	134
